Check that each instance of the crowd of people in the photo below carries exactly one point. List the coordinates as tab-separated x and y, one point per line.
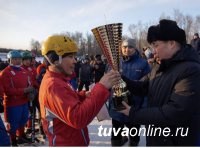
163	82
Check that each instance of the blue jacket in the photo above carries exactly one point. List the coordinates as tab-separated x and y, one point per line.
133	68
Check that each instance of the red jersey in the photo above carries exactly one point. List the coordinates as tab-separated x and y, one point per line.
65	114
14	81
32	73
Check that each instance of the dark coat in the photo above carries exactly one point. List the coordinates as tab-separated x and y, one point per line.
85	72
196	44
99	72
173	92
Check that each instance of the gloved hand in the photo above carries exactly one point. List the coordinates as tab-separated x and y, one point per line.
1	100
1	105
29	89
31	96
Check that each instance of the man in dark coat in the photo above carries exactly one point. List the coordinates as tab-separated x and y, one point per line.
172	90
99	69
85	74
196	42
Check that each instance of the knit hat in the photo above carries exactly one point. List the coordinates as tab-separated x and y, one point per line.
196	34
129	42
166	30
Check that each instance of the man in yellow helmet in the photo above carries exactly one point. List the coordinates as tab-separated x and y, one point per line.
65	113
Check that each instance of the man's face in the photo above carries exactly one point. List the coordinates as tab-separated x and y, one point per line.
163	49
33	62
194	37
26	62
98	61
68	64
16	61
127	50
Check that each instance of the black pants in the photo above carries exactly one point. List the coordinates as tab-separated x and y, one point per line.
82	83
117	124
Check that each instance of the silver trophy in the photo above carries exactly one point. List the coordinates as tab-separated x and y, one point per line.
109	38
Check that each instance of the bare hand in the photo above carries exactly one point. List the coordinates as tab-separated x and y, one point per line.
111	78
127	110
96	66
87	93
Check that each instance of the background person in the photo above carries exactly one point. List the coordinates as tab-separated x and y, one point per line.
133	67
85	75
196	42
98	69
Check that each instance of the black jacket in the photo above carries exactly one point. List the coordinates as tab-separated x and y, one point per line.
85	72
173	91
196	44
99	72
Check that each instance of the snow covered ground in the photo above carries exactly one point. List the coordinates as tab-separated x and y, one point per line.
95	139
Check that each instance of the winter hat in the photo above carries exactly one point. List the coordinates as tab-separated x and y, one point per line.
196	34
166	30
98	57
129	42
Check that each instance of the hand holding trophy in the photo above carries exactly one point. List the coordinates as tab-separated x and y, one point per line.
109	38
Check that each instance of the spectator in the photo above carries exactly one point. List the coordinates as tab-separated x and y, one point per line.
133	67
196	42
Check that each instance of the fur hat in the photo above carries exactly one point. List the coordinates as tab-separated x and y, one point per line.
166	30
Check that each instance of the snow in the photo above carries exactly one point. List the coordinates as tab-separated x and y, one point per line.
95	139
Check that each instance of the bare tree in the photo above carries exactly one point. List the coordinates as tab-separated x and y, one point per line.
196	25
133	30
179	18
139	32
163	16
35	47
188	21
96	49
88	45
35	44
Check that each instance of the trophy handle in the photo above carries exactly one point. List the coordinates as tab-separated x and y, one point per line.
120	93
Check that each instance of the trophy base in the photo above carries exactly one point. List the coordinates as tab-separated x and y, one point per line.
118	102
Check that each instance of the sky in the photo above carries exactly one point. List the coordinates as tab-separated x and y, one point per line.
24	20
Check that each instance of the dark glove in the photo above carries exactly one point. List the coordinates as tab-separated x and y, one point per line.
29	89
31	96
1	105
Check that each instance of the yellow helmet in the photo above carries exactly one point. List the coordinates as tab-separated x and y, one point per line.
60	44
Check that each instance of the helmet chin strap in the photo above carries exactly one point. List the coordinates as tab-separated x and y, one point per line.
60	59
58	65
48	60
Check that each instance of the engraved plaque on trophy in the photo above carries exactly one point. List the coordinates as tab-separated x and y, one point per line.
109	38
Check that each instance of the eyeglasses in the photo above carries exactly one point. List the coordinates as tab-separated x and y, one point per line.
127	46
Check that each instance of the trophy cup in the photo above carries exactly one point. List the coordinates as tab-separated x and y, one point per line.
109	38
